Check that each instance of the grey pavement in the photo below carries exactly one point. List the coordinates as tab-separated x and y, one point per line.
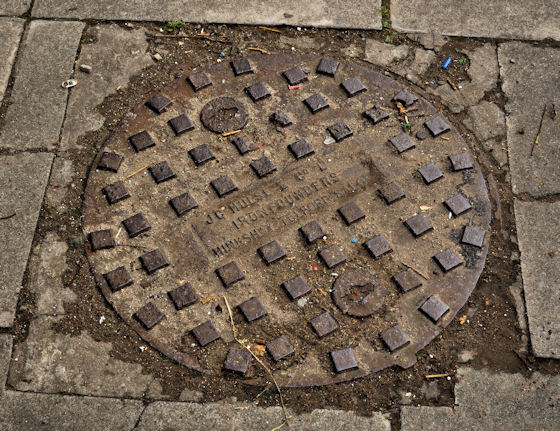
5	356
162	415
14	7
514	19
492	401
324	13
529	83
38	101
10	34
538	233
23	178
21	411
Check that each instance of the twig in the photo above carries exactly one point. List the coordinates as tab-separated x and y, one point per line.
207	300
264	51
8	216
262	27
416	270
136	172
234	330
452	84
437	376
536	141
233	132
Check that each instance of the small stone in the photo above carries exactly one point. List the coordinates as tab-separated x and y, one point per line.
465	356
157	56
85	68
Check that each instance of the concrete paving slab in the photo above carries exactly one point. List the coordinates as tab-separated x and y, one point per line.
488	401
57	363
38	101
323	13
5	356
538	234
530	81
25	412
10	35
14	7
115	56
516	19
168	415
23	178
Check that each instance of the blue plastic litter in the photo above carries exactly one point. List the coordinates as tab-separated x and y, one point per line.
353	239
432	82
446	63
223	54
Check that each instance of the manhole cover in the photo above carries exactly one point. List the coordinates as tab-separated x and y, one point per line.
343	243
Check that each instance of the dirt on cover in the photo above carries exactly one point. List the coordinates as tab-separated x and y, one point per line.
486	326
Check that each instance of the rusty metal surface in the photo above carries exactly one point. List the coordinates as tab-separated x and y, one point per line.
247	222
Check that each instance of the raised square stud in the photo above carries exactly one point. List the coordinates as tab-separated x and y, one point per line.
241	145
391	193
201	154
263	167
162	172
223	185
115	192
448	259
473	236
241	66
281	119
199	80
437	126
149	315
295	75
418	225
402	143
376	115
405	97
296	287
118	279
430	173
252	309
301	149
183	296
237	361
351	213
182	204
353	86
340	131
332	256
279	348
229	274
377	246
407	280
258	91
460	162
457	204
316	103
158	103
181	124
324	324
434	308
205	333
153	260
343	360
327	66
136	225
141	141
271	252
394	338
110	162
101	239
312	231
